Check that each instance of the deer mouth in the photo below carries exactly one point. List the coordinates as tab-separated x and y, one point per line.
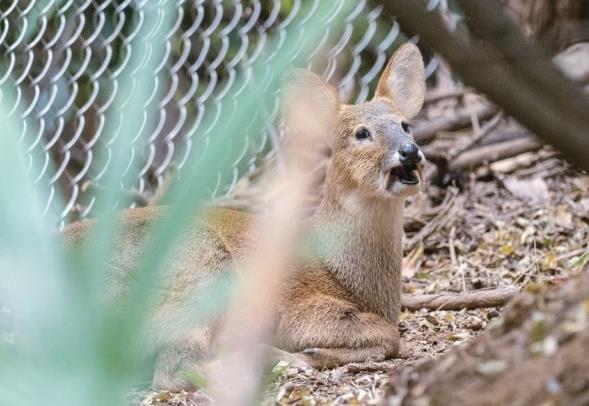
409	175
405	174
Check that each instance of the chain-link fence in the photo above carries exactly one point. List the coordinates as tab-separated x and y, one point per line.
66	58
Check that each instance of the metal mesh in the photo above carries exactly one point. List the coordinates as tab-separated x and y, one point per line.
67	65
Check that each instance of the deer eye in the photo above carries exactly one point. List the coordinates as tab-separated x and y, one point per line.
363	134
405	126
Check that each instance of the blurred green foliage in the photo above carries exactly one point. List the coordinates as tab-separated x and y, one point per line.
208	34
69	346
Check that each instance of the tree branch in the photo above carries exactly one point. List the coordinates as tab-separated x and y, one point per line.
540	97
475	299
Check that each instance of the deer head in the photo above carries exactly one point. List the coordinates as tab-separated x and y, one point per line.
373	151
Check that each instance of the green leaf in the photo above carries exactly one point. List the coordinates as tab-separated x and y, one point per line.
580	261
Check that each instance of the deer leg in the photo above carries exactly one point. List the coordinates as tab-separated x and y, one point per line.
326	358
178	359
170	368
325	331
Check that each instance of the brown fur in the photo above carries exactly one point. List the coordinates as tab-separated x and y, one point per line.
341	307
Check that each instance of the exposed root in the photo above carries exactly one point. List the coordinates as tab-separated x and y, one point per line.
476	299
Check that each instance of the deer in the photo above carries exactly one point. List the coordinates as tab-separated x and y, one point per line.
343	306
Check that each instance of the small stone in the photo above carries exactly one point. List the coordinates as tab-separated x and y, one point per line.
493	314
478	284
475	324
291	371
198	399
549	346
284	391
552	386
432	319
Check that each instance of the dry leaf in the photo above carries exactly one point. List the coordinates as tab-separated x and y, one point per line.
490	368
563	217
574	61
534	190
411	262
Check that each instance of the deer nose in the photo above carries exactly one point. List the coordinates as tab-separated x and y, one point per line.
409	154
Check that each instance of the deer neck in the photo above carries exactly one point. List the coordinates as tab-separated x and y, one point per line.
363	250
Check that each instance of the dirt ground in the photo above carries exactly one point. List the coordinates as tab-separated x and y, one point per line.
536	354
498	240
528	228
500	210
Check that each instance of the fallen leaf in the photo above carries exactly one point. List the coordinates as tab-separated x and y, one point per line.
563	217
549	346
405	315
506	249
539	329
548	261
527	234
580	261
490	368
457	337
534	190
432	319
574	61
410	262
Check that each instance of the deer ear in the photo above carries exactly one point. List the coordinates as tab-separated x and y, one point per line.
310	105
403	80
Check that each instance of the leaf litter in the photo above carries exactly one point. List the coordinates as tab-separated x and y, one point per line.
498	238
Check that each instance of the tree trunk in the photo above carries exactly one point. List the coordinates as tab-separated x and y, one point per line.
555	23
539	354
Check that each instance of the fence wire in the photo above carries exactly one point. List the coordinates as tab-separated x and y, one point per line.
66	59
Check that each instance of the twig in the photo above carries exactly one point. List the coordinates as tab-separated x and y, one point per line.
571	254
543	167
521	161
434	223
476	299
536	263
369	367
479	135
461	119
437	96
461	268
474	120
455	264
534	92
451	246
554	172
494	152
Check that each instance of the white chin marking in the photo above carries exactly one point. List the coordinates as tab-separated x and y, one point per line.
402	189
